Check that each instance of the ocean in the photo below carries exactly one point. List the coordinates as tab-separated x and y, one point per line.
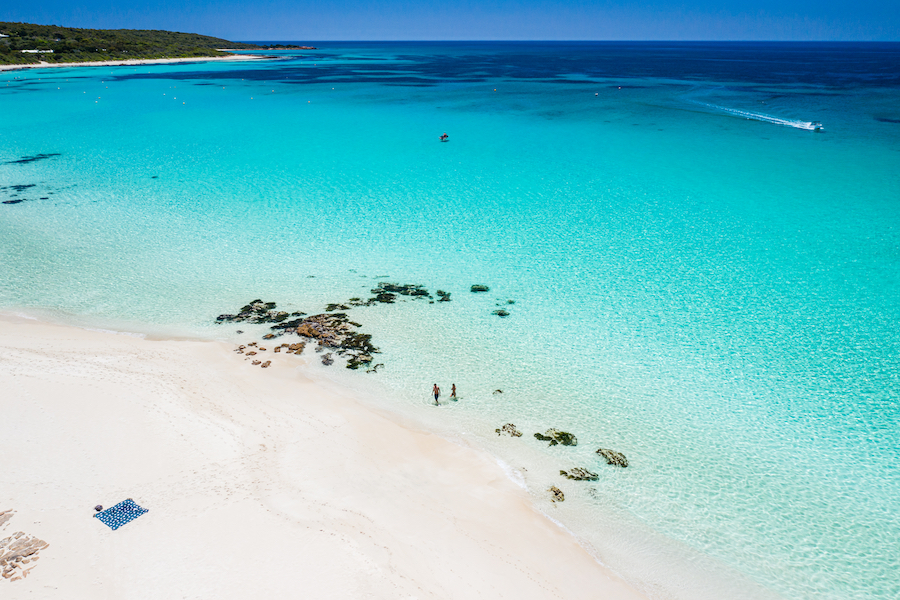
695	273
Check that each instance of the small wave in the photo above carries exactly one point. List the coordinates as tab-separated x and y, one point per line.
797	124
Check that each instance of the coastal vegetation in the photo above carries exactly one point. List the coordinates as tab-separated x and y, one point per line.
26	43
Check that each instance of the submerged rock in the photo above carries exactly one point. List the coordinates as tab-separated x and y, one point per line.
480	288
579	474
327	360
556	494
497	392
256	311
510	429
613	458
555	436
500	313
443	296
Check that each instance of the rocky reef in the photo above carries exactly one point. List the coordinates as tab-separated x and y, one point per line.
555	436
510	430
613	458
258	311
331	331
17	551
579	474
479	288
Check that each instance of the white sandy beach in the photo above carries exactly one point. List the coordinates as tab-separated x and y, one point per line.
260	484
136	62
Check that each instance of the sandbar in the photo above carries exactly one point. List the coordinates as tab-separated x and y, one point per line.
260	483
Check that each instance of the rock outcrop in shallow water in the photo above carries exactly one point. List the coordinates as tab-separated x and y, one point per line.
479	288
331	331
555	436
258	311
510	430
579	474
335	331
556	494
613	458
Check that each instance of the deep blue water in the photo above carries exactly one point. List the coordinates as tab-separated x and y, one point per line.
699	280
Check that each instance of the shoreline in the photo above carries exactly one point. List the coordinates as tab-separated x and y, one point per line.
136	62
329	493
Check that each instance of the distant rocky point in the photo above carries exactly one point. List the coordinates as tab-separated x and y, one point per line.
27	43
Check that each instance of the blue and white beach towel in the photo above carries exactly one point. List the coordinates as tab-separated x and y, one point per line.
121	513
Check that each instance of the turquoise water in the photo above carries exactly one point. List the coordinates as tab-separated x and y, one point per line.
698	285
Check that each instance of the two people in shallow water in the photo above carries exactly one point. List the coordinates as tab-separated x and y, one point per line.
437	393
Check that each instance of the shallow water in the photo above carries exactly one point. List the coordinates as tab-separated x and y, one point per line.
711	294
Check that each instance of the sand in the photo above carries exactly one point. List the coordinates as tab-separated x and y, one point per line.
136	62
260	483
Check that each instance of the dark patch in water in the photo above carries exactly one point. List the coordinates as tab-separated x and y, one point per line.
822	68
887	120
13	201
30	159
19	187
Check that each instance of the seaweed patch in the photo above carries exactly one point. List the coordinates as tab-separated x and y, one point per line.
30	159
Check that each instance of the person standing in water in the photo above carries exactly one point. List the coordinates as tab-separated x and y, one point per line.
437	393
453	391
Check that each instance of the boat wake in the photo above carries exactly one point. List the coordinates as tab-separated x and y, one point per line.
797	124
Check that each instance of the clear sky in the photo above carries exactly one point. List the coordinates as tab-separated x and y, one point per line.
480	20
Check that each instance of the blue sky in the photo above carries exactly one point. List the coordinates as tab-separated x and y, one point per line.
483	20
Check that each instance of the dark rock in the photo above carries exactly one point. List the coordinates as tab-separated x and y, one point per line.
555	436
556	494
327	360
98	508
266	364
13	201
239	331
256	362
497	392
579	474
375	368
255	312
403	290
613	458
500	313
268	336
385	298
510	429
510	301
334	307
480	288
443	296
